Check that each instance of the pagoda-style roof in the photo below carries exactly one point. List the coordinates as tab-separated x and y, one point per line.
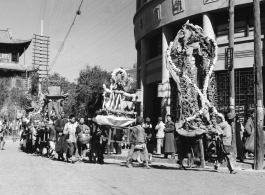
7	41
16	67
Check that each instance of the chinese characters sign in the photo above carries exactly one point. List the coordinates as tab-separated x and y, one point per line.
229	52
177	6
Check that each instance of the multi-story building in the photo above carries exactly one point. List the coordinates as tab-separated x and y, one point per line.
12	72
157	23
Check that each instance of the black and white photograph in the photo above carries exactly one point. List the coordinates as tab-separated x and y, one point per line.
132	97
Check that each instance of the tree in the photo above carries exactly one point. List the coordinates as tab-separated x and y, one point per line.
4	93
89	90
34	77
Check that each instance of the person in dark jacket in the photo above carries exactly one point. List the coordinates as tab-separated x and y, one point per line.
169	138
150	138
52	138
239	143
61	143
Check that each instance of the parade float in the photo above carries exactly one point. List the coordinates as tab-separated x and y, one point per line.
118	109
191	58
48	105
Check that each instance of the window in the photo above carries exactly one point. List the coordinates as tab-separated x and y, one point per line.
244	23
156	46
244	91
5	57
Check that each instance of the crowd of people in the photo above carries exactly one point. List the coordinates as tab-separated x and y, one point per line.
60	139
71	140
217	142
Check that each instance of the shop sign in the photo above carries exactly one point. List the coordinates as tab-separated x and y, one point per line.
229	52
209	1
177	6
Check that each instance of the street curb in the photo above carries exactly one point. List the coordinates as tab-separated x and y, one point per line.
238	165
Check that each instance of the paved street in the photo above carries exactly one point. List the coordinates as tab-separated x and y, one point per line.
22	173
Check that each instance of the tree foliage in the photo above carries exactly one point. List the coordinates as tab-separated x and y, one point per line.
14	100
89	90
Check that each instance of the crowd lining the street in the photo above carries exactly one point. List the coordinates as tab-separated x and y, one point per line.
59	139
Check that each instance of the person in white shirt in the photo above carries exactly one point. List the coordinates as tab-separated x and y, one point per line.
160	134
70	131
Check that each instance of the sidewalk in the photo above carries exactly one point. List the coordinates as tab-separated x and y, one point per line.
247	164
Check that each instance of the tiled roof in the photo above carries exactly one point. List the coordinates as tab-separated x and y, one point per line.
15	67
6	37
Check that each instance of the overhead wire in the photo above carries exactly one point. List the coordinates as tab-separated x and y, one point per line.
63	17
117	34
102	26
60	49
51	19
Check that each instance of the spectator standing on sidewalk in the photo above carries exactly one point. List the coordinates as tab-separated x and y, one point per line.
248	138
169	138
160	135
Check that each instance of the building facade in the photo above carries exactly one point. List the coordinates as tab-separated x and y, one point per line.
12	72
156	24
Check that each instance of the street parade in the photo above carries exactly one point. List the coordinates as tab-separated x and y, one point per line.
200	132
187	118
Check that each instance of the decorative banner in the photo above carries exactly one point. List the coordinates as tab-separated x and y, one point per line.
177	6
209	1
160	90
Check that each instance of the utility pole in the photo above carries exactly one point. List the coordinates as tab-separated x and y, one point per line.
40	79
259	153
232	73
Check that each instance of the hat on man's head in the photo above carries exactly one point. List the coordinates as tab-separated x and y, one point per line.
147	119
139	120
159	118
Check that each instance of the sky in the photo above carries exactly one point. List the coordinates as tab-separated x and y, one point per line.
101	35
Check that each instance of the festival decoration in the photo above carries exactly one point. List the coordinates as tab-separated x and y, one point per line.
192	55
117	100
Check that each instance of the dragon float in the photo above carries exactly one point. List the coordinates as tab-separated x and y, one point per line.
191	58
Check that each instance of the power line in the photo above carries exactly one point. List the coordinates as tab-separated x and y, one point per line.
125	31
51	20
60	49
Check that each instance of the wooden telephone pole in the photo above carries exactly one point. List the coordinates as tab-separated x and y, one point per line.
232	72
259	153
